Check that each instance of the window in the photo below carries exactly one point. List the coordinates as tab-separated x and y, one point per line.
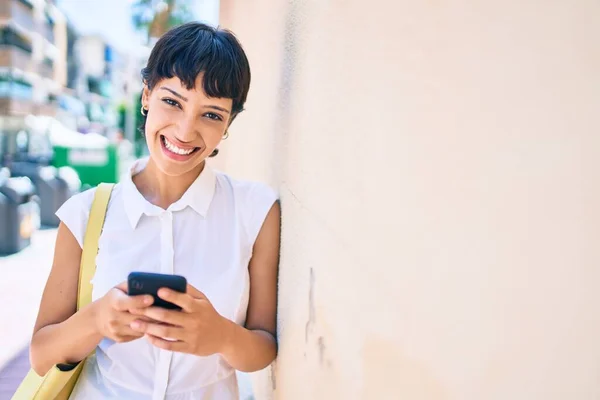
27	3
9	37
49	20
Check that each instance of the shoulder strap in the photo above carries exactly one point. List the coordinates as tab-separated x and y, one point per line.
90	243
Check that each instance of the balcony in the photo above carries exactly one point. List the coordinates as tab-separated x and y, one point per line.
46	69
10	106
47	31
49	109
12	56
11	36
20	14
48	27
19	11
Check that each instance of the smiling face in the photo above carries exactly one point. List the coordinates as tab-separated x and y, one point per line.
183	126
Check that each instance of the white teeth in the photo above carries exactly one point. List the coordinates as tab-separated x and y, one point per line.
176	149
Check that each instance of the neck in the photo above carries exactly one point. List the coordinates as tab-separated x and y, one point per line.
161	189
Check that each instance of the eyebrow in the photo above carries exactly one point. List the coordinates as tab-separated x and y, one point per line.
218	108
174	93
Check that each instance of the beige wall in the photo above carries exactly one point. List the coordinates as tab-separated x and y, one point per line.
440	181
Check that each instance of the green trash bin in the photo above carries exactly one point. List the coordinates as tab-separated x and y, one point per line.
94	163
91	155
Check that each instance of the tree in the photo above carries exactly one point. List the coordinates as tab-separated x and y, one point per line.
155	17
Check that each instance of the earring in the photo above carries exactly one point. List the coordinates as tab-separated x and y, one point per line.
226	135
142	111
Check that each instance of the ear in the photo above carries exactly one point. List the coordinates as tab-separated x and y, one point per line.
145	96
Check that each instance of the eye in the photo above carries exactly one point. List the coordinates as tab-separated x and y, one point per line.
171	102
213	116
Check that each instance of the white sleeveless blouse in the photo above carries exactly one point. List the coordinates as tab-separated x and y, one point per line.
207	236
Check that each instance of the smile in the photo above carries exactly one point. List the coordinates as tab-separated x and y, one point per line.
176	150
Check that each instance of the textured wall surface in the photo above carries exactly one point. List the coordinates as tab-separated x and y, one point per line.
438	168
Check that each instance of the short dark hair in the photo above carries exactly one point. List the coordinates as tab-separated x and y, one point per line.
189	49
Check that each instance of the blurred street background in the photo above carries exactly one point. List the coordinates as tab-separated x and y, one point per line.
20	292
69	109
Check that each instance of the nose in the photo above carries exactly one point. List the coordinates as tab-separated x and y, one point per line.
186	131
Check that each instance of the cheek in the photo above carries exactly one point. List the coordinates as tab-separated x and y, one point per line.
155	121
150	128
213	141
211	134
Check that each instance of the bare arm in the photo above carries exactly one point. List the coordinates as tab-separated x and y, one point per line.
60	335
254	347
64	336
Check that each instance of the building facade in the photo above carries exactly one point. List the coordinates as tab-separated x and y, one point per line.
32	59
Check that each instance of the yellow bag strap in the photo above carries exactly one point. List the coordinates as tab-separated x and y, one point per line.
90	243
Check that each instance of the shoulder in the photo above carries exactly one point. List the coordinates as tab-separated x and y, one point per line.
83	200
246	191
80	201
75	212
253	200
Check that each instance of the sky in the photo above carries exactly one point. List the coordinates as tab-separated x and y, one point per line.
111	19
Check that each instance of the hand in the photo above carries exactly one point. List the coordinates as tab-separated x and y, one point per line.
114	316
196	329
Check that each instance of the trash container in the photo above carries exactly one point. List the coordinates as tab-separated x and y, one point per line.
94	165
53	187
4	175
19	213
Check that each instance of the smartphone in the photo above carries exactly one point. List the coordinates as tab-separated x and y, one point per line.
149	283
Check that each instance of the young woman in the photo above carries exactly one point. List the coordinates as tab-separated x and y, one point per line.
172	214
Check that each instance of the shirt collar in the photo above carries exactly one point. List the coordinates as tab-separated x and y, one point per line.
198	196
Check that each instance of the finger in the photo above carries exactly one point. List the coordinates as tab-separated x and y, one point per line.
158	330
118	299
195	293
126	303
161	343
140	314
135	314
122	287
125	339
121	329
126	334
183	300
160	314
121	325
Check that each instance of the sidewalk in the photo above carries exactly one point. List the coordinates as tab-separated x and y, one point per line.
23	278
12	374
